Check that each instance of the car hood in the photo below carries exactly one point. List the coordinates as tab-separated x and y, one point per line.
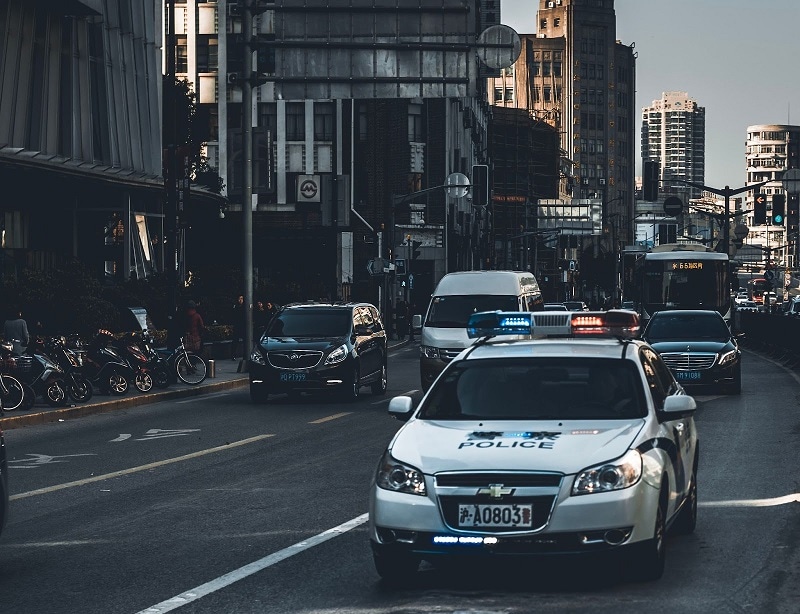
553	445
663	347
272	344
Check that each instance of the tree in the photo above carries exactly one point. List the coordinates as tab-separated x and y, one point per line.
188	124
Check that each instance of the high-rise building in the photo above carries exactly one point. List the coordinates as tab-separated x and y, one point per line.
574	74
771	149
674	135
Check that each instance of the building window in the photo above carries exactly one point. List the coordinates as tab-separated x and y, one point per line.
547	94
415	123
295	121
535	69
543	24
498	94
509	93
207	54
545	69
323	121
556	69
181	61
269	117
556	22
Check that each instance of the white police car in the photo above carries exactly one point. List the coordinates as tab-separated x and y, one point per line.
540	446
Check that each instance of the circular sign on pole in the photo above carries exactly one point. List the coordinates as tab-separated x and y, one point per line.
499	46
791	180
673	205
457	185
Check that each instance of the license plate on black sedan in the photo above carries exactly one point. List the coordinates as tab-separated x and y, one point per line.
292	377
495	515
688	376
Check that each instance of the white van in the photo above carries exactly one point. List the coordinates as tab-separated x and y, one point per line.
456	297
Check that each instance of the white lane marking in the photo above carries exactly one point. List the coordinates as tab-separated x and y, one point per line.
37	460
252	568
795	498
114	474
162	433
329	418
205	396
122	437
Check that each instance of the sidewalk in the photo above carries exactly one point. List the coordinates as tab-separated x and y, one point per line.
225	377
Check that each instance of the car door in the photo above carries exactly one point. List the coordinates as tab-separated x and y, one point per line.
681	431
370	346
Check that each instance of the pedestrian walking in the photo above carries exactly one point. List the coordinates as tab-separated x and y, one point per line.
194	329
260	316
238	317
15	330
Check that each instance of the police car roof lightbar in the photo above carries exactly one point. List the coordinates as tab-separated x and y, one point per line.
495	323
612	323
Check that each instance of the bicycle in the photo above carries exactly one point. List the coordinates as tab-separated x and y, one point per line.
13	393
188	367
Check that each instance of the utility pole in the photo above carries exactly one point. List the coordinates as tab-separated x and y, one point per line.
170	152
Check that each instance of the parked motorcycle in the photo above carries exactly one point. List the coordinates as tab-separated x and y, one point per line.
43	374
79	388
105	367
128	346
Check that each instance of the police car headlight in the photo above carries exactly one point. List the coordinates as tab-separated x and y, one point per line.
727	358
338	355
257	357
428	351
399	477
622	473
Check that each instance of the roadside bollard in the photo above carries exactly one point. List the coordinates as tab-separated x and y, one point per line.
212	368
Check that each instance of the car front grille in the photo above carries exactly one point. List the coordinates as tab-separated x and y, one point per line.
689	360
515	480
294	359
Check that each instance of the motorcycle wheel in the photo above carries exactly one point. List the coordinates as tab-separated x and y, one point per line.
80	389
116	383
143	382
55	395
160	378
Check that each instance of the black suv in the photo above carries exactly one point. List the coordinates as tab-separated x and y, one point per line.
320	346
698	347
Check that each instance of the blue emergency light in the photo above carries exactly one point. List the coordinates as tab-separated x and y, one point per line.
495	323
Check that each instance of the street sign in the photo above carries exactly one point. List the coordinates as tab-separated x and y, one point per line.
375	266
673	205
457	185
791	180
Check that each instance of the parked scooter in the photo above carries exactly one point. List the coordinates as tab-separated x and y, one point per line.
105	367
128	347
43	374
79	388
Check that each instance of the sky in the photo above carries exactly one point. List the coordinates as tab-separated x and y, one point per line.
737	58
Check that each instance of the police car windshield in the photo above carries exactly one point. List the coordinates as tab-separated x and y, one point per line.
537	389
310	323
454	311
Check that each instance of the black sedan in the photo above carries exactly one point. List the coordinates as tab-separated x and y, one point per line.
698	347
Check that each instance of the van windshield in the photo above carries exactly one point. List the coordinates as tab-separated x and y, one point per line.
454	311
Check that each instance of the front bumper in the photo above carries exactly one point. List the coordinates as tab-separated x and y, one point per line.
318	378
601	522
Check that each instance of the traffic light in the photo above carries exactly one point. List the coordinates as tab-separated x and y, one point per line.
650	180
760	210
415	249
480	185
778	209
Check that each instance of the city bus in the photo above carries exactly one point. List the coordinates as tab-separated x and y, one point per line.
756	288
683	276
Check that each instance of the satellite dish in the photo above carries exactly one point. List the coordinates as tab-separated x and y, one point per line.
499	46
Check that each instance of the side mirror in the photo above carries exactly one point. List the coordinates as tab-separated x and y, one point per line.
416	321
401	407
678	406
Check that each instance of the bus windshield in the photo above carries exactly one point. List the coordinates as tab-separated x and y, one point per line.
684	281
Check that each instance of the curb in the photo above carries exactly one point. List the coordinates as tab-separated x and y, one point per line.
9	421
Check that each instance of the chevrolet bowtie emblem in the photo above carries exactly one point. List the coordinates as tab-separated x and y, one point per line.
495	491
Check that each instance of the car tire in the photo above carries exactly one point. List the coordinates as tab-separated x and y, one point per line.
258	394
395	569
686	521
649	556
380	386
352	390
